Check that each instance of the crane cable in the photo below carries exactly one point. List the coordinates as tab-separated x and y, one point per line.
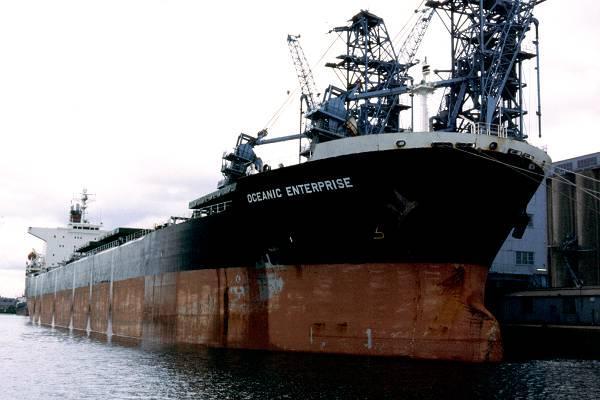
547	169
291	94
406	24
581	175
529	173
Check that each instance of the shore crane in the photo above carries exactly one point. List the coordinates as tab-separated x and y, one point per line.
305	75
409	47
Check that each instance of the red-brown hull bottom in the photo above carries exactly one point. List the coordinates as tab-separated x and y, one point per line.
425	311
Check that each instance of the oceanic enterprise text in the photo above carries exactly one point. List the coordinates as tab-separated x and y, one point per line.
328	185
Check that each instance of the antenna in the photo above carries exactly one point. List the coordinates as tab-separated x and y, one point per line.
79	207
84	206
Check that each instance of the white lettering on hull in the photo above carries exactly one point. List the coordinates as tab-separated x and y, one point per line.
328	185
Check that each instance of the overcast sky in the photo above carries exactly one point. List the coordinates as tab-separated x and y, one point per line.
137	100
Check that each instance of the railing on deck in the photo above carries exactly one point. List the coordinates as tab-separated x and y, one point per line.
212	209
481	128
119	241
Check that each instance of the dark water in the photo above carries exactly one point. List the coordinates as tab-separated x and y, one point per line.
43	363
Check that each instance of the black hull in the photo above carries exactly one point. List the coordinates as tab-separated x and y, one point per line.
410	206
419	205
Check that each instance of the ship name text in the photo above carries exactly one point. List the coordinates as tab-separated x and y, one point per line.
328	185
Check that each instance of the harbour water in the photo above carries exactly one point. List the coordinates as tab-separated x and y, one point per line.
39	362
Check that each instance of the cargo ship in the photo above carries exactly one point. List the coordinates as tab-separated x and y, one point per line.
377	243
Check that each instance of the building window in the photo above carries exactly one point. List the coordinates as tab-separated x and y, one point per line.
586	162
524	258
560	169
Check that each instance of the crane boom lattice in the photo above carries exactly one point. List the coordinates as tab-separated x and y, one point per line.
409	47
305	76
485	85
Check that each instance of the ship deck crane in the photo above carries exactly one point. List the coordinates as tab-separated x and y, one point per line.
238	163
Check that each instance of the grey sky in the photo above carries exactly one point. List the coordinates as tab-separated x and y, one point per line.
137	100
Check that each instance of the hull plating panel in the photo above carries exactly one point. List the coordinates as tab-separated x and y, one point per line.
427	311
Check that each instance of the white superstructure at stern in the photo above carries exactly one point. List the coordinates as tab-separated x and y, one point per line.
61	242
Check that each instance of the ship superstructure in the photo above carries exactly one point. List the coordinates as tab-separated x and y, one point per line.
62	242
378	243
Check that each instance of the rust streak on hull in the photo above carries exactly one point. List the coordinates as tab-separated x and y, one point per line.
427	311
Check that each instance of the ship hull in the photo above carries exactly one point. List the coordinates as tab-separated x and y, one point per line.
425	311
375	253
